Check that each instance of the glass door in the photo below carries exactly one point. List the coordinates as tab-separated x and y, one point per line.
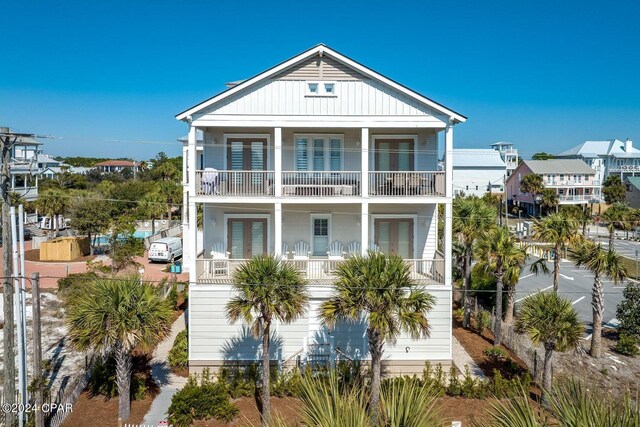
394	236
246	237
243	157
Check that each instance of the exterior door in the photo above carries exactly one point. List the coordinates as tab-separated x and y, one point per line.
394	236
245	155
394	155
246	237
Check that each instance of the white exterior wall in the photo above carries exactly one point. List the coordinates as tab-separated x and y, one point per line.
467	179
352	98
214	339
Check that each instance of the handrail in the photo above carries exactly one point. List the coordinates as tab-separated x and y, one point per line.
297	353
337	350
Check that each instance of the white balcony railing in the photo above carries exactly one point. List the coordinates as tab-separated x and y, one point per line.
578	198
572	183
319	183
320	270
407	183
234	183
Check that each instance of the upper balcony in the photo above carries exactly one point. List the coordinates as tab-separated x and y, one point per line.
571	182
216	184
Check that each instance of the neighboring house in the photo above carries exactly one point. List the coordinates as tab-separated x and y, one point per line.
607	157
509	155
477	171
53	172
574	181
117	166
313	159
24	167
633	191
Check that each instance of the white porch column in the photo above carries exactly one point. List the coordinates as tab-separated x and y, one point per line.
192	249
364	142
364	228
277	163
277	238
448	208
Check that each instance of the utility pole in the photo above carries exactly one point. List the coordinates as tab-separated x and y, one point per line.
37	347
7	140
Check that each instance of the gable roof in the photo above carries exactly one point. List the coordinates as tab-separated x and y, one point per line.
634	180
477	158
321	49
591	149
568	166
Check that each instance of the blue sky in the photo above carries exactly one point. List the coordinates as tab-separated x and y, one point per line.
107	78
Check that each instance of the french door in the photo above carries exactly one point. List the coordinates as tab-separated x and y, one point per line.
246	237
394	155
244	156
394	236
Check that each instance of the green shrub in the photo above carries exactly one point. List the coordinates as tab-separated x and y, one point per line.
179	353
239	382
628	311
201	400
103	381
75	280
172	297
482	320
627	345
495	353
287	384
435	379
454	387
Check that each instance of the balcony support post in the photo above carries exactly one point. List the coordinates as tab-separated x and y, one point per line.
448	207
364	228
277	163
192	233
364	180
277	238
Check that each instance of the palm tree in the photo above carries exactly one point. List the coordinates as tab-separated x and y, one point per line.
267	289
115	316
53	203
471	217
498	254
559	229
171	192
551	321
618	215
603	264
548	200
152	206
532	184
378	287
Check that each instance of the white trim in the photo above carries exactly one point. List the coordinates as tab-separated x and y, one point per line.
266	136
311	53
372	148
312	217
288	121
247	216
414	217
310	151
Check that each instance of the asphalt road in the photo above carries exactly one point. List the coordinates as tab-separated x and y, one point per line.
625	248
574	284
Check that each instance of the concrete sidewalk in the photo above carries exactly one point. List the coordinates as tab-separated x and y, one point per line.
169	383
461	359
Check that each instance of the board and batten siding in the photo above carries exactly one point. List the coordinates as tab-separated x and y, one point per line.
352	98
212	339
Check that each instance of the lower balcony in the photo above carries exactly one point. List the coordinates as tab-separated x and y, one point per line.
318	271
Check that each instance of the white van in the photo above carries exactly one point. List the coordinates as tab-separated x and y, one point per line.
165	250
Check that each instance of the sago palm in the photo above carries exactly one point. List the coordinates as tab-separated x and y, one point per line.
115	316
267	289
471	217
603	264
498	254
378	287
549	320
558	229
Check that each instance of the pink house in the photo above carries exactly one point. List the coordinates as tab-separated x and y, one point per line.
574	181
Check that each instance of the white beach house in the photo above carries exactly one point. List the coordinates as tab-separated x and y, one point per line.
314	159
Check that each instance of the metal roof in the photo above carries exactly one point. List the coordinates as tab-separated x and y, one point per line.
609	147
477	158
634	180
568	166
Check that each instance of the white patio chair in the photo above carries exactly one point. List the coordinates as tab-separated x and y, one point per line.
285	251
301	250
374	247
219	265
336	250
210	181
353	248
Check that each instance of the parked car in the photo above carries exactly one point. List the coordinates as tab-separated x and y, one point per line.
165	250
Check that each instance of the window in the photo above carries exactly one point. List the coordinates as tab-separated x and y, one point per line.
476	187
318	153
321	89
320	234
